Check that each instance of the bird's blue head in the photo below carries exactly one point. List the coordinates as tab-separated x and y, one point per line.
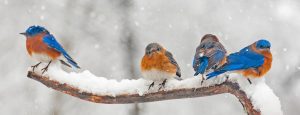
34	30
263	44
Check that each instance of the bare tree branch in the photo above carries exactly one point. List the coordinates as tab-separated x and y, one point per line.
226	87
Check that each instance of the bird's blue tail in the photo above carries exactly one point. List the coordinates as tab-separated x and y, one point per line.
202	67
71	61
214	74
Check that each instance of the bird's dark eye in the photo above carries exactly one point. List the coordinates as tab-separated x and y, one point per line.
158	49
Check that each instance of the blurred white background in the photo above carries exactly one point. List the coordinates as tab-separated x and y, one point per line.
108	38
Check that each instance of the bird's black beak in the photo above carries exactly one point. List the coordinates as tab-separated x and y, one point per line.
152	49
23	33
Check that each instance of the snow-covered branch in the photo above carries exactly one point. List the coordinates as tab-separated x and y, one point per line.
256	98
100	90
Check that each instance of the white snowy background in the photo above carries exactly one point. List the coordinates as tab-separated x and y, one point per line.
107	37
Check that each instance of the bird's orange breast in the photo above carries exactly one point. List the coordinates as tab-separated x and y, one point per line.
261	71
158	61
36	45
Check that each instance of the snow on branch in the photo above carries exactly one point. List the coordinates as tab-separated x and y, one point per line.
256	99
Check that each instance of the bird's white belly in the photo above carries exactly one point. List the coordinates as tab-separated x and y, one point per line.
41	57
157	75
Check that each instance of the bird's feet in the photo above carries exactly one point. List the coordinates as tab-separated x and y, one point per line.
162	85
203	79
151	85
35	66
227	77
46	68
249	81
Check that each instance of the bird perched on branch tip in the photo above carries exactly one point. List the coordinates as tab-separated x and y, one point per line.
43	47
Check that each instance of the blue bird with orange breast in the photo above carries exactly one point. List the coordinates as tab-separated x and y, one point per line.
158	64
210	54
42	46
252	61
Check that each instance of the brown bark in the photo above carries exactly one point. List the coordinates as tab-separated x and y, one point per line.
226	87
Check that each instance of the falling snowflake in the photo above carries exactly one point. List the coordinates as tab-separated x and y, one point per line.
42	17
284	49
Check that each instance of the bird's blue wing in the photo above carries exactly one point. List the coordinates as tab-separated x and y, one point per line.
215	58
51	42
244	59
172	60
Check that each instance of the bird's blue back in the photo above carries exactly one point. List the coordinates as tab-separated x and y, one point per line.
244	59
51	42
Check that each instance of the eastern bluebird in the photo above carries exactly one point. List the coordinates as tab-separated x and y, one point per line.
252	61
42	46
209	55
158	64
